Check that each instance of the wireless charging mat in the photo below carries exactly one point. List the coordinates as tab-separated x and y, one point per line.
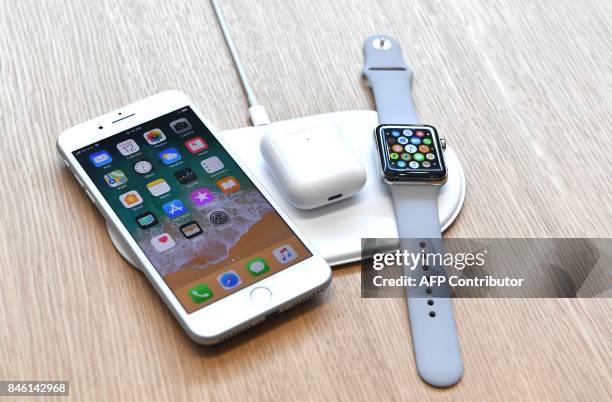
336	230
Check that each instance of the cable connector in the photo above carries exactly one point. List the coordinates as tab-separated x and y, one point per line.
257	112
259	116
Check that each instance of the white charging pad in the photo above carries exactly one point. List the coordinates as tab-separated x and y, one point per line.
336	230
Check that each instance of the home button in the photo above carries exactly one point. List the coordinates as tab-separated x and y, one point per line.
261	296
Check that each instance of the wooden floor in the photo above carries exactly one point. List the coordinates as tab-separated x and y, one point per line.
522	90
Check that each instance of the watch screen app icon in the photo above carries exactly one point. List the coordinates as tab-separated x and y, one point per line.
100	158
154	136
212	164
411	148
195	145
284	254
419	157
163	242
130	199
169	156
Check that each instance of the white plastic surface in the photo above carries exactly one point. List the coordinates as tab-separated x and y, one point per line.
336	230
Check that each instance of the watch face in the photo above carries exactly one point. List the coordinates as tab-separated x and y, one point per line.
410	153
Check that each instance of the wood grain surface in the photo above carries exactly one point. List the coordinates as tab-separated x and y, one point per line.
522	90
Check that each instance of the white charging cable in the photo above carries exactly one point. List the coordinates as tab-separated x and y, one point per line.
257	112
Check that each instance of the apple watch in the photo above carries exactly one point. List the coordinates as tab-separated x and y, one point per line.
412	163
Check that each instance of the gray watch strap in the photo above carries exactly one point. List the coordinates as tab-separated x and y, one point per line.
434	334
390	79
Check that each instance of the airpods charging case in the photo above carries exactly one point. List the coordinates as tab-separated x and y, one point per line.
312	164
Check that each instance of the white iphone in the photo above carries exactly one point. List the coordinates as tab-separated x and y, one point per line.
210	239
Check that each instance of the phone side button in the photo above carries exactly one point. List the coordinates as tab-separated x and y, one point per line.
90	197
78	180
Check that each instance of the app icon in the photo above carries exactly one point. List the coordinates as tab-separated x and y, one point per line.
411	148
393	156
284	254
169	156
228	184
427	141
228	280
418	157
191	229
200	293
419	133
128	147
217	217
158	187
212	164
185	176
180	126
202	196
415	140
395	133
414	165
196	145
115	178
143	167
130	199
174	208
407	132
100	158
391	141
257	266
430	156
401	164
402	140
406	157
426	164
423	149
154	136
397	148
162	242
146	220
